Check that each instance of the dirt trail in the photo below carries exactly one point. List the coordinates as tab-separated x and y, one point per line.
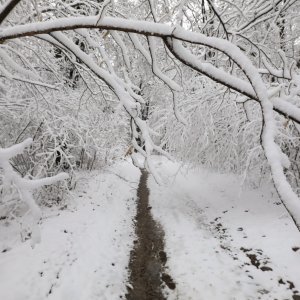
147	259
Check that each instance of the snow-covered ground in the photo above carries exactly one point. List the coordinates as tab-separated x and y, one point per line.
85	248
224	242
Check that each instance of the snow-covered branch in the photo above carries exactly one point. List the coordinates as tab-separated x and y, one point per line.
148	29
24	186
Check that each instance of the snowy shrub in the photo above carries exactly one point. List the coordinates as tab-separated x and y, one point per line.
15	188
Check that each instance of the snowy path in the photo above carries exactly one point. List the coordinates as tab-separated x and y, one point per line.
223	243
85	248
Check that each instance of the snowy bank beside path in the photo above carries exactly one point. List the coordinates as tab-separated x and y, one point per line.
85	248
223	242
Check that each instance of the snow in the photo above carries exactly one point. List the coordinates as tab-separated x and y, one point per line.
111	23
85	247
152	29
15	67
272	151
7	153
122	45
168	81
212	228
138	45
208	69
223	241
176	38
24	186
103	10
128	102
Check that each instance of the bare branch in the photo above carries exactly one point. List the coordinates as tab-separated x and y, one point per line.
7	8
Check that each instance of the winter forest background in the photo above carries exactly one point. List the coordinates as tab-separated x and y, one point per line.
211	84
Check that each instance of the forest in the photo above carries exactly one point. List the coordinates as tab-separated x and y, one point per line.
149	149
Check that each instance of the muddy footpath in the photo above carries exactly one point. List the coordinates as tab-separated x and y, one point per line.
148	273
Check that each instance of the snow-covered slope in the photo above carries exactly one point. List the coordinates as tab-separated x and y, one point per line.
85	248
224	242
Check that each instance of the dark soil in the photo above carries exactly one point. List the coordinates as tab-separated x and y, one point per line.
148	258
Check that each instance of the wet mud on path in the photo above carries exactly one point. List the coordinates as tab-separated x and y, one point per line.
147	260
